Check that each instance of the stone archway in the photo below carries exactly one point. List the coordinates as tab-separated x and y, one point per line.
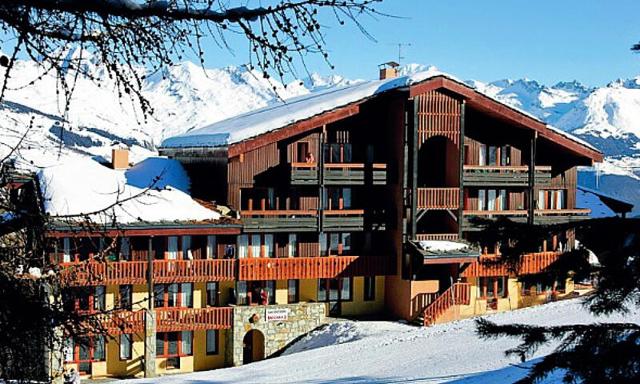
252	346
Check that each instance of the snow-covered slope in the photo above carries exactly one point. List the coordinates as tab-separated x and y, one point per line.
388	352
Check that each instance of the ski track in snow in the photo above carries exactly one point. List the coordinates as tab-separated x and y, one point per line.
392	352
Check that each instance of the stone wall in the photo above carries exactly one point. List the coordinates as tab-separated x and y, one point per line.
300	319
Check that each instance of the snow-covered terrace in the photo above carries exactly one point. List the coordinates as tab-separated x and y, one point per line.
291	111
156	190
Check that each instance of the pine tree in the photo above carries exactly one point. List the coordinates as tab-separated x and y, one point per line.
587	353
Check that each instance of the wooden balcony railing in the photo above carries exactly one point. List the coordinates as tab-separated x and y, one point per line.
313	267
531	263
506	212
563	212
190	319
438	198
135	272
509	175
280	220
457	294
437	236
168	319
339	173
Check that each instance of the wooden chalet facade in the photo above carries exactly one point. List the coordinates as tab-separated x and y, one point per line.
332	210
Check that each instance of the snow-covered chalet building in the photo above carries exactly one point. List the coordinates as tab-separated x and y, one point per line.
353	201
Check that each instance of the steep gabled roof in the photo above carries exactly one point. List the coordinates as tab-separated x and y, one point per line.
317	108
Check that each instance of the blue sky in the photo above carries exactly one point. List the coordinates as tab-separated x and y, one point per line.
545	40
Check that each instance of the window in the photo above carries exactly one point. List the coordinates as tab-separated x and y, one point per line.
84	351
482	159
212	294
66	250
369	288
172	247
292	249
302	149
125	346
338	244
173	295
492	155
552	199
125	248
345	292
243	244
505	155
212	341
211	247
241	292
492	200
271	291
99	298
174	344
337	198
334	289
126	296
293	289
88	299
186	248
492	287
255	245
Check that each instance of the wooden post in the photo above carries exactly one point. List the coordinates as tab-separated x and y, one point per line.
532	178
150	320
463	108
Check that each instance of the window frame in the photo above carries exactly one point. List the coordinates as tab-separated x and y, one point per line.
369	287
129	350
216	350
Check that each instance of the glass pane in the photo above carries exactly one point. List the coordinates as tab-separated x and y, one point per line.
481	200
212	294
268	244
491	200
322	289
172	247
211	247
84	349
335	153
212	341
334	241
333	289
160	344
187	294
347	153
346	289
322	239
243	240
482	160
125	346
346	243
172	345
66	250
125	296
293	245
255	245
186	248
346	198
158	294
241	292
271	291
493	155
173	290
187	343
98	348
540	204
99	298
125	248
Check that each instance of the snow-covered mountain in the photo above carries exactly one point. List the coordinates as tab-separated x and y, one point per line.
186	96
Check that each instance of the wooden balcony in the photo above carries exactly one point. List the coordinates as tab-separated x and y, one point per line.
280	220
314	267
135	272
544	216
504	176
168	319
438	198
191	319
339	174
343	220
531	263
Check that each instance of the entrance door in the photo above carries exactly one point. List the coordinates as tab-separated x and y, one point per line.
253	347
333	292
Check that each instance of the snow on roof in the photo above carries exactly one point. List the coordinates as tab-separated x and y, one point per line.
263	120
242	127
442	245
84	186
586	199
604	194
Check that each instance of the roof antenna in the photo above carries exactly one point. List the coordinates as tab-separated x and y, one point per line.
400	45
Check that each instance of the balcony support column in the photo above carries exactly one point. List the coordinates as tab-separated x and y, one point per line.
532	178
150	320
463	108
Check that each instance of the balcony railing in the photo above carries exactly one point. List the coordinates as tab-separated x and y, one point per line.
191	319
437	236
438	198
280	220
168	319
505	176
542	216
135	272
490	265
339	173
313	267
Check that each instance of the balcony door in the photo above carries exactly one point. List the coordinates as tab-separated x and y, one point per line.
334	292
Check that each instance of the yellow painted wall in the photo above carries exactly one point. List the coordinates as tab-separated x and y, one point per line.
308	290
358	306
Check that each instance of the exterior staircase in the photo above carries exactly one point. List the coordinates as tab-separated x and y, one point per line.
457	294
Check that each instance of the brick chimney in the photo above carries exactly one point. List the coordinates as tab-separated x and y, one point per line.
120	158
388	70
